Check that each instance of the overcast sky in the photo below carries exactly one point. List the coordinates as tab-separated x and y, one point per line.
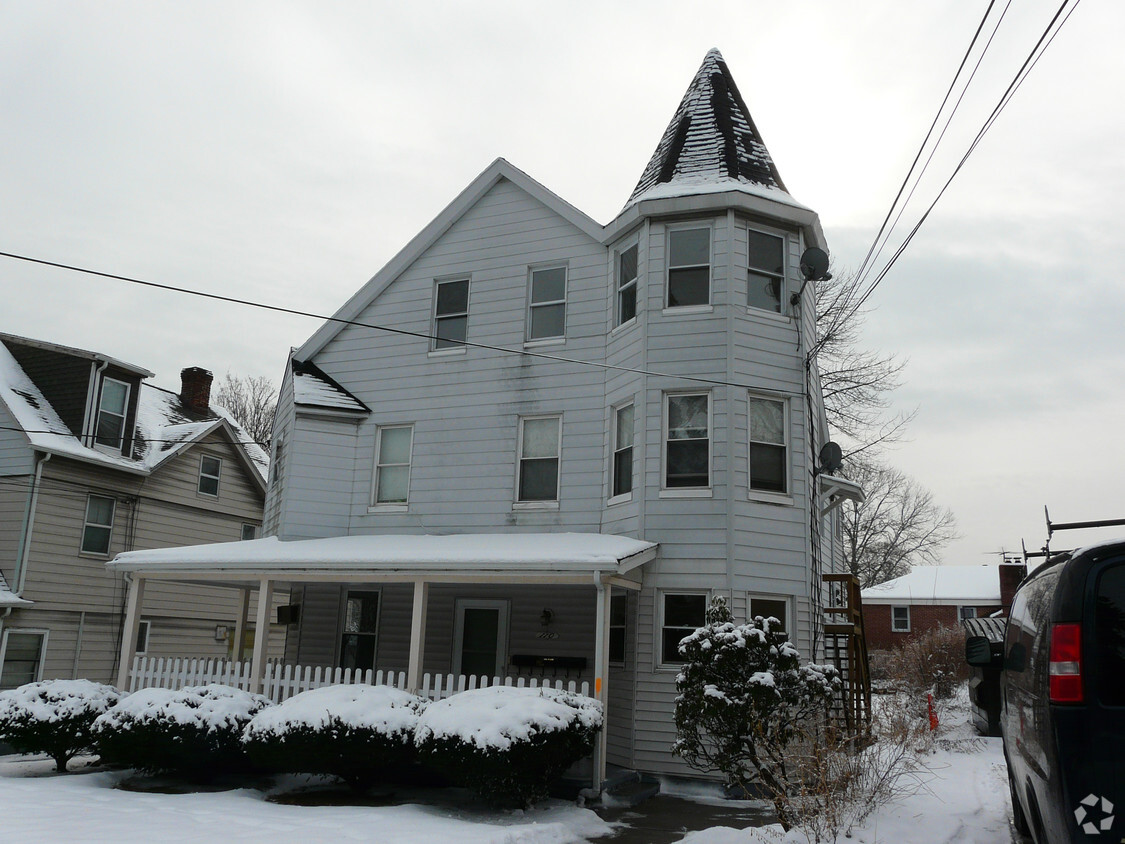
283	152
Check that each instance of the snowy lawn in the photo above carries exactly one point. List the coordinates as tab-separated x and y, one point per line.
964	800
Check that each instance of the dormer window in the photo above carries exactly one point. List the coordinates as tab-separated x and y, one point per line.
210	468
766	270
689	267
112	406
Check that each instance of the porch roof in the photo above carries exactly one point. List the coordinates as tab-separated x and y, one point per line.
513	557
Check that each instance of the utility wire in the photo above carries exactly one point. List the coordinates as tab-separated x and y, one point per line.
401	331
1025	69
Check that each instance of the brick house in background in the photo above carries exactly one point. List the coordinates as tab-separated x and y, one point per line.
936	596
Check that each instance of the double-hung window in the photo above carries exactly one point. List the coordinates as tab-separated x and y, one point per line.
769	446
546	317
687	445
112	405
451	313
618	622
393	448
539	459
766	270
681	615
900	619
621	481
22	657
689	267
627	285
210	468
99	524
767	607
361	628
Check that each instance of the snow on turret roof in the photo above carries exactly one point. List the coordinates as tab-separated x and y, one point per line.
711	140
929	584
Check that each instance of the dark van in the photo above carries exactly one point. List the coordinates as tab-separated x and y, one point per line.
1063	697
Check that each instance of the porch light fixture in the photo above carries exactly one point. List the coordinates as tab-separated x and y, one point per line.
221	632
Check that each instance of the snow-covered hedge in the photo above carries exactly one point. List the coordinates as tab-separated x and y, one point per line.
195	732
54	717
507	744
356	732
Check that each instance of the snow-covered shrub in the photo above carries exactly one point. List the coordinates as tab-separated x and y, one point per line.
507	744
195	732
356	732
931	662
744	697
54	717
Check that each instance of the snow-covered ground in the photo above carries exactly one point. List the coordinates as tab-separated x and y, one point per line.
965	800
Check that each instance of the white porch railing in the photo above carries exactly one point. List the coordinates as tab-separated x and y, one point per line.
284	681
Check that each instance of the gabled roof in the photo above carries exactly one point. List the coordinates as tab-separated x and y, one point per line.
73	352
164	427
940	584
711	145
497	170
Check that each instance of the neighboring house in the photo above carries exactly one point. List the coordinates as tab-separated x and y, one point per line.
94	461
936	596
566	438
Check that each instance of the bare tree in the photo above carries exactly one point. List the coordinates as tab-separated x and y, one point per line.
252	401
856	382
898	525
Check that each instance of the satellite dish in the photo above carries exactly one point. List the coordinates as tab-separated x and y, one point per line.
814	265
831	457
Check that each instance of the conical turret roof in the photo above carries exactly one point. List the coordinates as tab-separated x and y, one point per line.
711	139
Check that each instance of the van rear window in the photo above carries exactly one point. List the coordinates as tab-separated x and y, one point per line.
1109	631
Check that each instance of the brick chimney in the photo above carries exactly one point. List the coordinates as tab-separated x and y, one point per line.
1010	576
195	390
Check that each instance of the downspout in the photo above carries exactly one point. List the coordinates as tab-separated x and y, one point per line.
20	577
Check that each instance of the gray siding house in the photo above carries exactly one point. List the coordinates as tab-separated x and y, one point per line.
534	446
95	461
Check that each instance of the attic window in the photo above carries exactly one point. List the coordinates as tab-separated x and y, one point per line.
546	317
112	405
209	471
451	313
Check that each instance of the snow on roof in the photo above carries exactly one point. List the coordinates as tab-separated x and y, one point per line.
711	138
518	552
163	427
934	584
313	388
8	598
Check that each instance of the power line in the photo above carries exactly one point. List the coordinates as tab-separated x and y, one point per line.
1030	62
401	331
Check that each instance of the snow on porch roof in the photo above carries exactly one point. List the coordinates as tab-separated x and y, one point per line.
515	553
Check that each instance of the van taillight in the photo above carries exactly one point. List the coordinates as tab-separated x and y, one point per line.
1066	663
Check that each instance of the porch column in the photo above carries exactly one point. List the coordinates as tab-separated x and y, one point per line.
261	634
129	632
240	625
417	635
601	676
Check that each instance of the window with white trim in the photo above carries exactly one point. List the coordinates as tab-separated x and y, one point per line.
394	445
618	622
765	270
681	614
98	527
143	628
21	657
249	532
687	440
627	284
621	470
769	445
210	469
113	403
451	313
900	619
361	628
546	308
767	606
539	459
689	267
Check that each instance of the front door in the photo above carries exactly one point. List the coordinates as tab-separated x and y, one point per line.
480	637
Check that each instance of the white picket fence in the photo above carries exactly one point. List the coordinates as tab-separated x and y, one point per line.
284	681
